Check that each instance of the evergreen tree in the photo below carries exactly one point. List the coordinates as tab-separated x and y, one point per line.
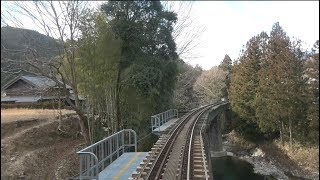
278	99
312	91
128	63
244	84
244	79
226	65
269	92
147	69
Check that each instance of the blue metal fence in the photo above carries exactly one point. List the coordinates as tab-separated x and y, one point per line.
96	157
161	118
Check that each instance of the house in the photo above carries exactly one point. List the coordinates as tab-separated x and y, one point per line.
32	89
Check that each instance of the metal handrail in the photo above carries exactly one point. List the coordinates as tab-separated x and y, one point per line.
93	167
102	153
106	139
161	118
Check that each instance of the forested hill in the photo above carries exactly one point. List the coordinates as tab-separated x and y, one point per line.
17	44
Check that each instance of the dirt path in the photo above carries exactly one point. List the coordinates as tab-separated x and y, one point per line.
39	150
23	130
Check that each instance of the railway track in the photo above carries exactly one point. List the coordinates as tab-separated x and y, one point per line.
194	161
179	154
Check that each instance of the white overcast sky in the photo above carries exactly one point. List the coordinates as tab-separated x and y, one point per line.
230	24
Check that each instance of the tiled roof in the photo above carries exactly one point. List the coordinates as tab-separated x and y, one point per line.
20	98
34	98
40	82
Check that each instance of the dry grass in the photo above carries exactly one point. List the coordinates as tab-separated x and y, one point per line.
236	139
18	114
307	157
301	160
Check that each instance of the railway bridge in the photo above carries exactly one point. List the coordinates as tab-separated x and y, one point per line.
181	152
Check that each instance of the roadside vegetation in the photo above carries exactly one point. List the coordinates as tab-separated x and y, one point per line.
123	58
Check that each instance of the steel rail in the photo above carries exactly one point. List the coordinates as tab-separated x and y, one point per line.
203	153
157	164
187	153
171	141
172	138
173	132
191	140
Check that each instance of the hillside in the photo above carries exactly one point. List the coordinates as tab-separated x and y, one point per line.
33	148
16	46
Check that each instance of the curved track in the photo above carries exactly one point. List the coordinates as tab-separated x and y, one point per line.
179	154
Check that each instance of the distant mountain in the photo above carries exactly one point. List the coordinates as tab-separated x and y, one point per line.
17	44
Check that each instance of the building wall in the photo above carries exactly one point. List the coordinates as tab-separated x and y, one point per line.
20	88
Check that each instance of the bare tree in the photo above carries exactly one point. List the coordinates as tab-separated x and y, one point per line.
186	32
57	19
184	94
210	84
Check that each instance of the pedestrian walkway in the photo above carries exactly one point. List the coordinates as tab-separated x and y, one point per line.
123	167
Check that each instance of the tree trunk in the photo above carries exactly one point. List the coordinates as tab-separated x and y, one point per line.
90	128
82	121
118	101
281	133
281	140
60	113
84	130
290	132
59	106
